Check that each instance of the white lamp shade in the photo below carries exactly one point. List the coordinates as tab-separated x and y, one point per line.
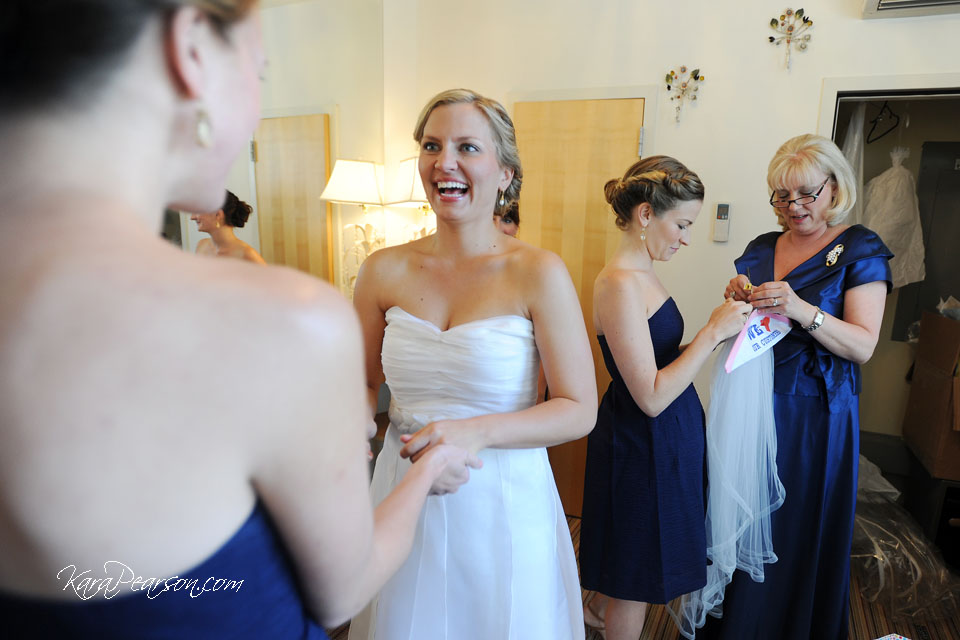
353	182
407	188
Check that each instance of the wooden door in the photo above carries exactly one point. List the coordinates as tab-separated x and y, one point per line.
292	160
569	149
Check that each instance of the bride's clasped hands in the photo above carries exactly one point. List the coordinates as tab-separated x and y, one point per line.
455	459
453	442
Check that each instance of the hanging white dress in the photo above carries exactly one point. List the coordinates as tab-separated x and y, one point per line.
493	561
892	210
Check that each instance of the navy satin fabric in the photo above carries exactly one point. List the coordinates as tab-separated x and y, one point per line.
803	366
267	605
806	592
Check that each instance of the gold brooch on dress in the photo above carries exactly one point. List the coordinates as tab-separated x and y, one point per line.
834	254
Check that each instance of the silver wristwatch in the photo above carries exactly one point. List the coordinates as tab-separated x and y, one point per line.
817	321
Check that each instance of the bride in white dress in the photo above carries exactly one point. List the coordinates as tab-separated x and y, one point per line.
458	322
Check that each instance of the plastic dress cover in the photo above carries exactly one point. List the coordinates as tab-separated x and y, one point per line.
743	485
897	566
892	210
853	151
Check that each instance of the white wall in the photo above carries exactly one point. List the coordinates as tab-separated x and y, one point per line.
326	56
748	105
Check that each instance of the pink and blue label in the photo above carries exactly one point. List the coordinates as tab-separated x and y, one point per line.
762	331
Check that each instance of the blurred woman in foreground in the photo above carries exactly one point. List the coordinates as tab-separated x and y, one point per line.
137	495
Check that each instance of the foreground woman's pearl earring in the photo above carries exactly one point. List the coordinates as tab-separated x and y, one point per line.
204	131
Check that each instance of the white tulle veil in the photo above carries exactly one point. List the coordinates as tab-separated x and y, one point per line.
743	485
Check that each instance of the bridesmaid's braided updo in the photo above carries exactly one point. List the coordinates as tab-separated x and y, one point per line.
660	181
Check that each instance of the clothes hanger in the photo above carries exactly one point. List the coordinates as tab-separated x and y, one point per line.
885	116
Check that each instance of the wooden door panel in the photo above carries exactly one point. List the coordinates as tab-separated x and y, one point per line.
569	149
292	167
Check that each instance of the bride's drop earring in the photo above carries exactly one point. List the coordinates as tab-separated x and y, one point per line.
643	234
501	201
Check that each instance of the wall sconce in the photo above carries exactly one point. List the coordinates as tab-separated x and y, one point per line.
356	182
407	191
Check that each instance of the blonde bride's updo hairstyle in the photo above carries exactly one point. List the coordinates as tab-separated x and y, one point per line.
660	181
504	135
799	159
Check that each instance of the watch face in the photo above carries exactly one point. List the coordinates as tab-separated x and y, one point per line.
817	321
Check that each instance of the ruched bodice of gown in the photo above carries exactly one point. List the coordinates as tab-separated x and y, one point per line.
494	559
480	367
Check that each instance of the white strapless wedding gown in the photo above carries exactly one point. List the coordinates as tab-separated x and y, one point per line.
493	561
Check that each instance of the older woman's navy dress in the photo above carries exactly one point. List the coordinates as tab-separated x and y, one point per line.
642	534
806	592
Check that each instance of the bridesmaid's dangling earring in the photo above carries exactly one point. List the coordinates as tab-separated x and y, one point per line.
643	234
502	202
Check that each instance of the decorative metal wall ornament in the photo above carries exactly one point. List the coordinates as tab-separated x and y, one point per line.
792	25
681	87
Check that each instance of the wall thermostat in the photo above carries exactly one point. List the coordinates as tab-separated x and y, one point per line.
721	223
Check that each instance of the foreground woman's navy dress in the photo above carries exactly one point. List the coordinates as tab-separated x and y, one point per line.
266	605
806	592
642	534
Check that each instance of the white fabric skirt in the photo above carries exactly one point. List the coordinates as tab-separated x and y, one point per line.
493	561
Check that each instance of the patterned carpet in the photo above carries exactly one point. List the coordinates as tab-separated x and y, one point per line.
867	621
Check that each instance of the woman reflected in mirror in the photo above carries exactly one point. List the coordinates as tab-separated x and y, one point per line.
223	241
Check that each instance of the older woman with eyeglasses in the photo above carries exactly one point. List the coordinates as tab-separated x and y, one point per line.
830	279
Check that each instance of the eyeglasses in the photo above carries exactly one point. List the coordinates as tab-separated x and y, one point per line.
785	204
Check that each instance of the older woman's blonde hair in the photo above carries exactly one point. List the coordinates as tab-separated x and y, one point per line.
504	135
799	159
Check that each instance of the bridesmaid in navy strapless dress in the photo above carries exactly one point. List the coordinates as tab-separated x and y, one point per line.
246	589
644	487
643	536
